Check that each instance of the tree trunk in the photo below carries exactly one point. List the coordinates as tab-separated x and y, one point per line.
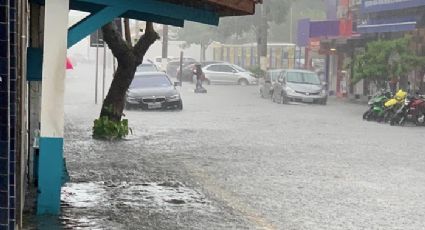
203	51
262	31
128	58
113	105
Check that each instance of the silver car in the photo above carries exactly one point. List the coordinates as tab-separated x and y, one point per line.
299	86
225	73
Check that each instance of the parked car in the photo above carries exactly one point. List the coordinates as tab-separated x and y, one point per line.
153	90
189	69
173	66
266	84
158	61
226	73
299	86
147	66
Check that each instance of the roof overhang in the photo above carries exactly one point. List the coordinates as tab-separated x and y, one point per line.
168	12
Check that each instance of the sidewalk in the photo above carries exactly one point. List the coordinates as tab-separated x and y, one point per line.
361	101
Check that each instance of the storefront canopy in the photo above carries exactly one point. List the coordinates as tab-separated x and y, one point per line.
387	27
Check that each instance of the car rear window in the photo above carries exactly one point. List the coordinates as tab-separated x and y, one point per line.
146	68
146	81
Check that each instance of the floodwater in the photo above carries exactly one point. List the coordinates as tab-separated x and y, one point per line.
231	160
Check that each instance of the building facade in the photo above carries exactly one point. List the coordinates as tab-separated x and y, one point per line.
362	21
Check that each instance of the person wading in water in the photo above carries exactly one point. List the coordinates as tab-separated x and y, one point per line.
200	77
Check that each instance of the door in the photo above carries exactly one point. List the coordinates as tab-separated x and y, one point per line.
219	73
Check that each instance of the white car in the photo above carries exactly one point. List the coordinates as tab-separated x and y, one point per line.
226	73
147	66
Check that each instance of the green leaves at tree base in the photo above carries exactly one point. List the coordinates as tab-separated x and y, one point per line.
106	129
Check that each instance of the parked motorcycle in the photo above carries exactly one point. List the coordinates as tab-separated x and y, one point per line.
376	106
393	105
413	110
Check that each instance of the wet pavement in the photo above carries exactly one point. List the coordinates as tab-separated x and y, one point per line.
231	160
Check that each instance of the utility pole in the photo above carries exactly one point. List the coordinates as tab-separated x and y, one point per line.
97	67
262	38
291	25
104	71
164	61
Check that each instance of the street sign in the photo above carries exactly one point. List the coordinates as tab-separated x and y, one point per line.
96	38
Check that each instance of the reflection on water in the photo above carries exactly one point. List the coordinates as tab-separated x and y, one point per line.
104	205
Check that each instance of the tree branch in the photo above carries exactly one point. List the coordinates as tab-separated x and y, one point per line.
145	41
120	49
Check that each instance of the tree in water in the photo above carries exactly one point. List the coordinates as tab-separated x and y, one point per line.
128	58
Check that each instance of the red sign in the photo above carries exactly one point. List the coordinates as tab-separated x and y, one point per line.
346	27
314	44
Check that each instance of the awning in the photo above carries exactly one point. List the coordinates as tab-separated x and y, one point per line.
386	28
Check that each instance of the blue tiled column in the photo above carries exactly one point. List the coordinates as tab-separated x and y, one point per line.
12	112
4	114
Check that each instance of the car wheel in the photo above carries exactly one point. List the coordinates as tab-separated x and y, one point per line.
243	82
366	114
180	106
394	120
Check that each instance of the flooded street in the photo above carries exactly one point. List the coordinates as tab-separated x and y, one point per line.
212	114
231	160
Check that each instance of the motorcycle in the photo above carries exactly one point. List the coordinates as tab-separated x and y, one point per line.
393	105
376	106
413	110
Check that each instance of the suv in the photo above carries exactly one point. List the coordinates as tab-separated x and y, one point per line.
299	86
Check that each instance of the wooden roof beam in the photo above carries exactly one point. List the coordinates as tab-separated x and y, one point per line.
245	6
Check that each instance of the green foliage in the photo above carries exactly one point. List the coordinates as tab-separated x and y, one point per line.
110	130
384	60
257	71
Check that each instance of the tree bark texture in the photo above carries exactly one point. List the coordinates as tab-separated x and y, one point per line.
128	58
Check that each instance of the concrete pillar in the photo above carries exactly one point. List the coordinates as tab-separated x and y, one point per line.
333	66
52	106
